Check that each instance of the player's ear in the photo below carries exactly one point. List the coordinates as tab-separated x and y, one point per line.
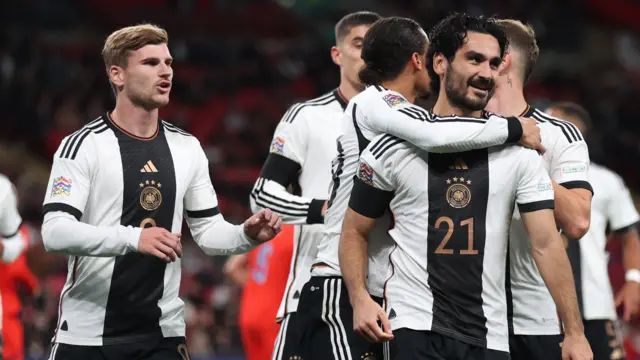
335	55
505	65
418	61
116	75
440	63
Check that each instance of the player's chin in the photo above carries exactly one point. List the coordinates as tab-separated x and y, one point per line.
160	100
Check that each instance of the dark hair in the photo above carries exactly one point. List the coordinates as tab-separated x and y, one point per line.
573	110
349	21
522	38
388	46
450	34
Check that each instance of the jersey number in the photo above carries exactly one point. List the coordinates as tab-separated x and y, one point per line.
261	271
336	170
450	228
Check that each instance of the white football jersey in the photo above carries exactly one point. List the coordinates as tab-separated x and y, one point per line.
105	186
377	111
304	143
452	214
532	310
612	205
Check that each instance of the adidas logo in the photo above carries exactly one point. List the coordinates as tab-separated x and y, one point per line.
296	295
459	164
148	167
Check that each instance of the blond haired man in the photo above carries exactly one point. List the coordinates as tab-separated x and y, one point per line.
118	190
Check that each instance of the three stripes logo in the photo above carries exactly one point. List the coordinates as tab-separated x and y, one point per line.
458	164
149	168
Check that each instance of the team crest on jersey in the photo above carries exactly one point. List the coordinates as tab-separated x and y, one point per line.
458	194
368	356
61	186
393	100
150	196
365	173
277	146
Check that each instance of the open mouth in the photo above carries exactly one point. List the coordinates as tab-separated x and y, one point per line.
164	85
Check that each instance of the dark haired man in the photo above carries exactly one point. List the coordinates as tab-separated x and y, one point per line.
535	330
304	143
394	55
445	294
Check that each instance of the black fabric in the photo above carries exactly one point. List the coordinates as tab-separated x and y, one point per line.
64	208
280	169
515	130
369	201
578	184
174	348
324	336
288	344
604	338
535	206
427	345
535	347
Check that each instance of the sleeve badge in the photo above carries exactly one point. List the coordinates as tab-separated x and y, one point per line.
393	100
61	187
365	173
277	146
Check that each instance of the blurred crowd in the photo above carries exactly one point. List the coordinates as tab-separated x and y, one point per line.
238	65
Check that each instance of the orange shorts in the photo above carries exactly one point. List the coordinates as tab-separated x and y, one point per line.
258	340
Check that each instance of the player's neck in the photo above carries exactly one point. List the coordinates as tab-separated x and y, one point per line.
508	98
349	90
402	85
444	107
134	119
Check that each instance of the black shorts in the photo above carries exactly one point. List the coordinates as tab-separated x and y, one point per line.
428	345
328	333
605	339
535	347
173	348
287	345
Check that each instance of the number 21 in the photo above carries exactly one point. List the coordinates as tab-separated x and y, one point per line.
450	228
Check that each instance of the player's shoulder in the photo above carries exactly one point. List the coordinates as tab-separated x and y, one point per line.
81	139
174	130
389	149
310	109
375	94
562	130
6	185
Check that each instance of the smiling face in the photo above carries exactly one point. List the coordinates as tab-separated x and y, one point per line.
470	79
146	79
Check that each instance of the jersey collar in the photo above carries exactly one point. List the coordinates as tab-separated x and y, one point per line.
340	98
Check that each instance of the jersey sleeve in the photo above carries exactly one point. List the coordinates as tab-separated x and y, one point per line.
393	114
621	211
373	189
70	178
287	155
213	234
10	218
534	191
570	164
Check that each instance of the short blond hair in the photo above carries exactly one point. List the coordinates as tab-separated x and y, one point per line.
121	42
522	38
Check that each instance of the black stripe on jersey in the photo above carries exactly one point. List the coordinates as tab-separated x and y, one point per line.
137	281
174	129
75	140
362	141
62	207
336	172
280	169
290	115
198	214
535	206
383	144
277	204
415	113
624	229
568	129
369	201
456	243
575	259
577	184
508	290
379	88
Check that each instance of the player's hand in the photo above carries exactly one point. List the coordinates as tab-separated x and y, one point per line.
324	208
366	314
160	243
263	226
629	297
576	347
531	137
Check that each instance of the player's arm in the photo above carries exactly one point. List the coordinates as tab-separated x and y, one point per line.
64	205
237	268
414	124
534	196
569	173
213	234
12	244
623	220
370	197
281	169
